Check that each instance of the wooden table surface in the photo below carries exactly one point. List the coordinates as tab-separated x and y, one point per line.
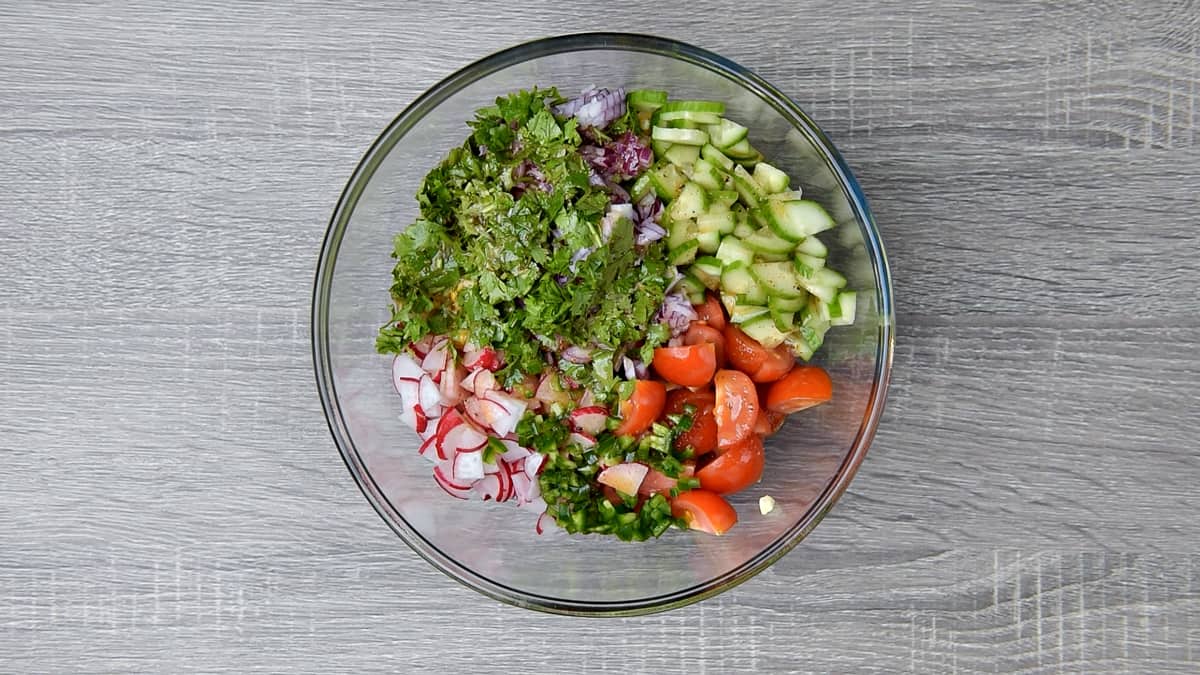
170	498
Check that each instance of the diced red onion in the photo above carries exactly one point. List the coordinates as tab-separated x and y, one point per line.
595	107
628	368
678	312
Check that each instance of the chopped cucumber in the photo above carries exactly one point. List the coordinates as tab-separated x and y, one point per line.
641	187
709	241
784	321
708	270
751	161
765	241
812	246
781	304
712	154
718	219
823	283
763	330
714	107
799	346
726	133
796	220
769	178
692	288
747	189
691	202
741	313
693	116
646	99
807	265
786	195
685	253
726	197
740	150
842	311
773	257
705	172
733	250
817	309
667	181
743	228
684	136
682	155
778	279
680	232
737	279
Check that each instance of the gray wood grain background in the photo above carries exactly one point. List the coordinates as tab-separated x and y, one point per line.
170	499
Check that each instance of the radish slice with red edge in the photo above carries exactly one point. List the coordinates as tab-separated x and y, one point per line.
451	385
421	420
421	347
533	464
513	410
590	420
487	487
405	367
514	451
521	487
435	361
583	440
486	358
463	437
428	449
468	466
484	412
543	522
451	488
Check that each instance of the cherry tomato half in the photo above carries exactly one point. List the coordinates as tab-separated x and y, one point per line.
702	436
736	406
641	409
802	388
736	468
704	511
687	366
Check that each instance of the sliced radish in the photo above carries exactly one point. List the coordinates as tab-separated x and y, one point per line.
420	419
463	437
533	464
468	466
485	413
435	361
410	392
405	367
430	397
429	449
590	420
521	487
486	358
587	400
485	381
487	487
551	391
452	488
625	477
543	522
506	485
451	385
514	451
421	347
513	407
448	423
585	441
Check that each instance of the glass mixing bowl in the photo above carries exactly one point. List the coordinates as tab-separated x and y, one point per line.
494	548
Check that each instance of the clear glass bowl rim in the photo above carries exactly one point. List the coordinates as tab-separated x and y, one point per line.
427	103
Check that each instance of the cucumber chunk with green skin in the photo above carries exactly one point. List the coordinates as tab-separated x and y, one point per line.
778	279
667	181
708	270
786	195
747	189
741	313
796	220
680	232
733	250
692	116
684	136
773	257
769	178
765	241
726	197
646	99
691	202
712	154
641	187
740	150
843	309
807	265
780	304
685	253
718	218
726	133
683	156
784	321
692	288
709	241
812	246
824	283
743	228
705	172
737	279
764	331
714	107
